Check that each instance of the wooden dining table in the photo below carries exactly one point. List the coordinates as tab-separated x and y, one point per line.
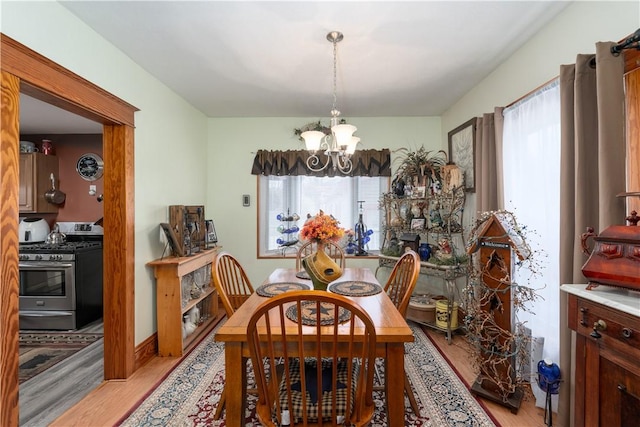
392	332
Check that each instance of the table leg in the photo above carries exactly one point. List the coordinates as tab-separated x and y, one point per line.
235	384
394	384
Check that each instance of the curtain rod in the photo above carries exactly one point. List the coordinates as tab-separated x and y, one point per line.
631	42
532	92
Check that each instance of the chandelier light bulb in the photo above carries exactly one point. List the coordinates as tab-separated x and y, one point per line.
312	139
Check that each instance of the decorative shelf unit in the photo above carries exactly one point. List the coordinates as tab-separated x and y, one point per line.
170	273
434	218
449	273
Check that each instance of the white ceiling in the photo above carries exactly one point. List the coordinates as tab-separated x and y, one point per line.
271	58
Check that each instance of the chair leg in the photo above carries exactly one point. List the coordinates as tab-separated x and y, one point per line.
221	404
412	398
380	386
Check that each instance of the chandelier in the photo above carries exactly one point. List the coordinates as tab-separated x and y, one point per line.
340	144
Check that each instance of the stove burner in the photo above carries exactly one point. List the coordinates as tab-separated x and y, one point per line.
66	247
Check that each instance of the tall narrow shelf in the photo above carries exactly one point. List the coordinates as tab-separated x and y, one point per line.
439	216
169	273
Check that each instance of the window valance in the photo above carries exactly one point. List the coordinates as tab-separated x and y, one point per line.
293	162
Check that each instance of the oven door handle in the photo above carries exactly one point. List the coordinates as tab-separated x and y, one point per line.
39	265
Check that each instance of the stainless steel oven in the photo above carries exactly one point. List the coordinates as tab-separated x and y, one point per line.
47	285
60	285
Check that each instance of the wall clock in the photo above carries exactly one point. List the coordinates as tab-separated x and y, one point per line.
90	166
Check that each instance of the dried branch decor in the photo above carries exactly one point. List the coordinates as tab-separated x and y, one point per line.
493	299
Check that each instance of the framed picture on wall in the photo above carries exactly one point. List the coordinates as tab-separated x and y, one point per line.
462	152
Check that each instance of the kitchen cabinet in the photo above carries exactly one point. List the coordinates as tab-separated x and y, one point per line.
175	277
35	181
607	349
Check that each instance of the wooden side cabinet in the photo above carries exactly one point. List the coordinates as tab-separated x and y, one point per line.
35	181
607	371
170	274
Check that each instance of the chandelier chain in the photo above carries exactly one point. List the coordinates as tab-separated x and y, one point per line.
335	66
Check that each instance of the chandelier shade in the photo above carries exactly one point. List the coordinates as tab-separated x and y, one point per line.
338	146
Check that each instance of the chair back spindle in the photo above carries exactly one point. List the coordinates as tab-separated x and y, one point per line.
402	280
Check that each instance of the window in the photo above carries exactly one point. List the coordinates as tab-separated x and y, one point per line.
337	196
531	162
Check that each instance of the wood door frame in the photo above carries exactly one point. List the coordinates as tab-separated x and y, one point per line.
632	109
26	71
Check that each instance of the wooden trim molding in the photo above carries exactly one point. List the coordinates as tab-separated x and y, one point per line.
146	350
9	275
43	79
632	108
24	70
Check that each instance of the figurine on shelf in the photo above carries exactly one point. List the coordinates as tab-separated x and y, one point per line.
398	187
445	251
633	218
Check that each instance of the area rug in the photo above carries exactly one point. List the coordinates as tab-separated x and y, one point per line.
40	351
189	394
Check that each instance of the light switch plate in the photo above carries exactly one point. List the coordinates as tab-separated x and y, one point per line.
246	200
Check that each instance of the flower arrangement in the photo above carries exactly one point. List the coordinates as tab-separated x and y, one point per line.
321	228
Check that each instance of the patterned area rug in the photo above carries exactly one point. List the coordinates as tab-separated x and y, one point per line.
189	395
40	351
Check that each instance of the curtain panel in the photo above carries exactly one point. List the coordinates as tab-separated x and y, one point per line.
592	170
371	163
489	175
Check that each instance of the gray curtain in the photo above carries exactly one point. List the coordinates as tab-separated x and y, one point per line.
489	175
592	173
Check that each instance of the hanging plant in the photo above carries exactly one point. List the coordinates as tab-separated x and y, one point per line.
420	167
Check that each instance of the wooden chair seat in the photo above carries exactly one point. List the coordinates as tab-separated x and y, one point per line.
312	409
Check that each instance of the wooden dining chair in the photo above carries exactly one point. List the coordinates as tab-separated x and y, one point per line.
231	282
234	288
399	287
331	248
333	362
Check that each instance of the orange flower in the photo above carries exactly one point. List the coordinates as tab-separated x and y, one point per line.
321	228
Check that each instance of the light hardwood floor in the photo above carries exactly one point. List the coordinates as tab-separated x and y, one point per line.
111	400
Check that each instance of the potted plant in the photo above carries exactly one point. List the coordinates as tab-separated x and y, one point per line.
420	167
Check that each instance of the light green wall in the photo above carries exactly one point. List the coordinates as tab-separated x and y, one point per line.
575	30
232	147
170	135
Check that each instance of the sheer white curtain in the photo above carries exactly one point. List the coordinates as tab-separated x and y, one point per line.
531	162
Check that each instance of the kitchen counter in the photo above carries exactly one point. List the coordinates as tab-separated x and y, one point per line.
624	300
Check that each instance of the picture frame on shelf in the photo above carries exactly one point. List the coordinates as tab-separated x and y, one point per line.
418	224
462	151
176	248
210	234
